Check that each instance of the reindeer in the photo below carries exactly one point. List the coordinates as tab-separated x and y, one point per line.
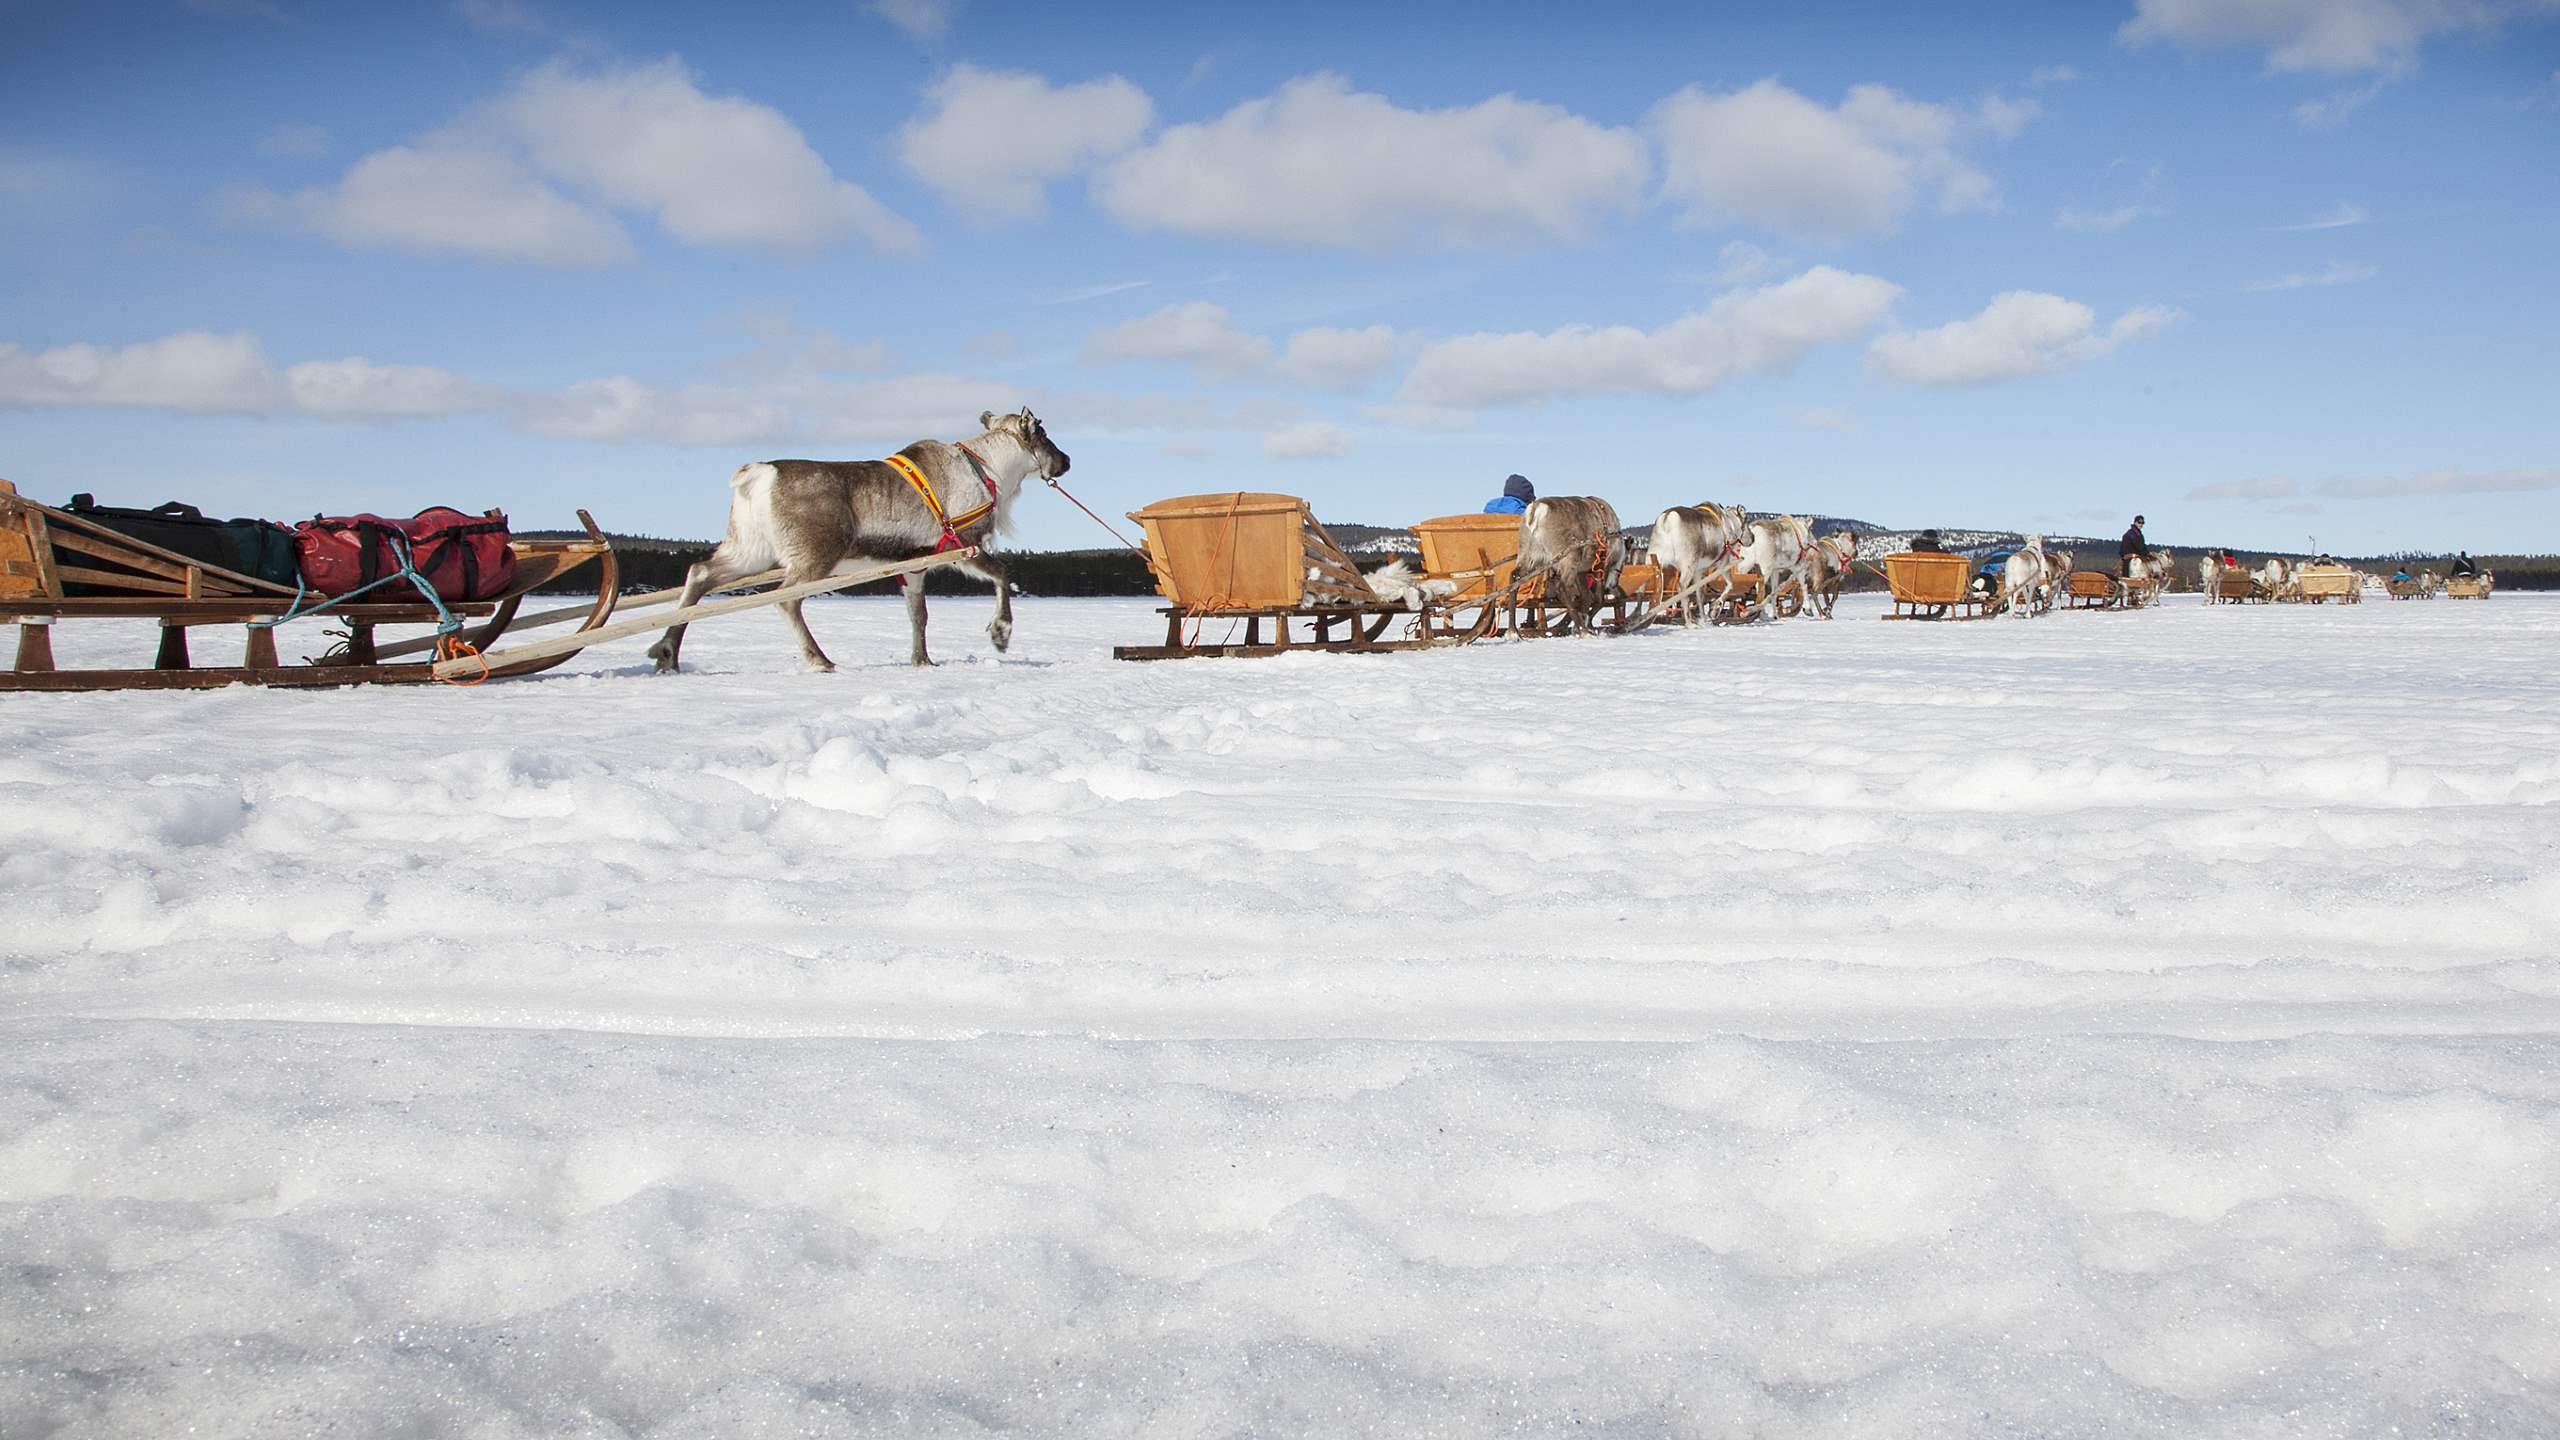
1774	549
1826	569
810	517
1696	541
1570	544
2027	579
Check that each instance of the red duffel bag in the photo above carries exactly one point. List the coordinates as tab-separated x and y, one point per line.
465	557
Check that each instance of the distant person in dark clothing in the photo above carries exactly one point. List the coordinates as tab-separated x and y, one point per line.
1927	543
1516	494
2131	546
2462	565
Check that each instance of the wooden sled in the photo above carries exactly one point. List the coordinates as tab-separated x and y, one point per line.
1258	558
141	581
2466	587
2093	590
2405	589
1928	586
2320	584
2235	586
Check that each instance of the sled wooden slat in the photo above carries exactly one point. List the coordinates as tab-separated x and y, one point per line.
545	619
464	667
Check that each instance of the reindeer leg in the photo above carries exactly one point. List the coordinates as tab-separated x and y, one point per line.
699	580
915	620
1000	629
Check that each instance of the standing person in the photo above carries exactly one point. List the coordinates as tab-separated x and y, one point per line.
1516	494
2132	545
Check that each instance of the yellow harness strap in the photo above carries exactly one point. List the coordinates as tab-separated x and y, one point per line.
914	477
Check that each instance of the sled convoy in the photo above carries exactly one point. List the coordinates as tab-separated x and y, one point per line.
1259	564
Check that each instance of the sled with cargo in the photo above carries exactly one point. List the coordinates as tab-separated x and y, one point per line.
1926	585
1261	565
58	566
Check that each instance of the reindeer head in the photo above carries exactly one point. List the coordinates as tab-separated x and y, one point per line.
1026	431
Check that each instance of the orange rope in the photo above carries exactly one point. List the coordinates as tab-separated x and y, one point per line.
454	647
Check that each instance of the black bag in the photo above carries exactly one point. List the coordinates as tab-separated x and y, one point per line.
259	549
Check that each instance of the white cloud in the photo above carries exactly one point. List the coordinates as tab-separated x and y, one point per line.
2046	76
193	372
1742	263
2326	36
995	139
2006	118
714	171
1741	333
718	171
1339	359
1196	333
2338	217
2335	108
2021	333
197	373
1767	154
444	199
1321	165
2339	272
925	21
1313	440
358	388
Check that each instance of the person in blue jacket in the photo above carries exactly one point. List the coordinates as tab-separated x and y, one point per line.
1516	494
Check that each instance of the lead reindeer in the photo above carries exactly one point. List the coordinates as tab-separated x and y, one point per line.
809	517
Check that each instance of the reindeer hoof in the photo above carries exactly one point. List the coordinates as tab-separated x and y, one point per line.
1001	633
822	667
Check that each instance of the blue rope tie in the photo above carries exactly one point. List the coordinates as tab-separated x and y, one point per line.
446	624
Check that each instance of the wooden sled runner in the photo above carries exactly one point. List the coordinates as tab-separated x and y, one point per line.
1929	586
1257	558
44	551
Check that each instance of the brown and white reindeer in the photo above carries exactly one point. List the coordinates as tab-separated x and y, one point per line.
1826	570
1570	545
1696	542
813	517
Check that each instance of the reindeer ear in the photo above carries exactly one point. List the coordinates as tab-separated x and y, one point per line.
986	419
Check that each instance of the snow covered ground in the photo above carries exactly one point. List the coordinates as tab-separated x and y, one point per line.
2106	1024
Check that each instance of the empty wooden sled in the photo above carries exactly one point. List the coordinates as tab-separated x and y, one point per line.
1257	558
2319	584
1930	586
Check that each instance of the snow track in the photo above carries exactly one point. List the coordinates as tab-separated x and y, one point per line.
2130	1023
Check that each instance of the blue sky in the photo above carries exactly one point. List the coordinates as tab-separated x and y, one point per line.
2263	269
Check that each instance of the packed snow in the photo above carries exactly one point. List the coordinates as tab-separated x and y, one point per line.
2125	1024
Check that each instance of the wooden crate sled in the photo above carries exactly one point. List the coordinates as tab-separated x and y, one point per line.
1930	586
126	578
2466	587
2235	586
2093	590
2320	584
1256	558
